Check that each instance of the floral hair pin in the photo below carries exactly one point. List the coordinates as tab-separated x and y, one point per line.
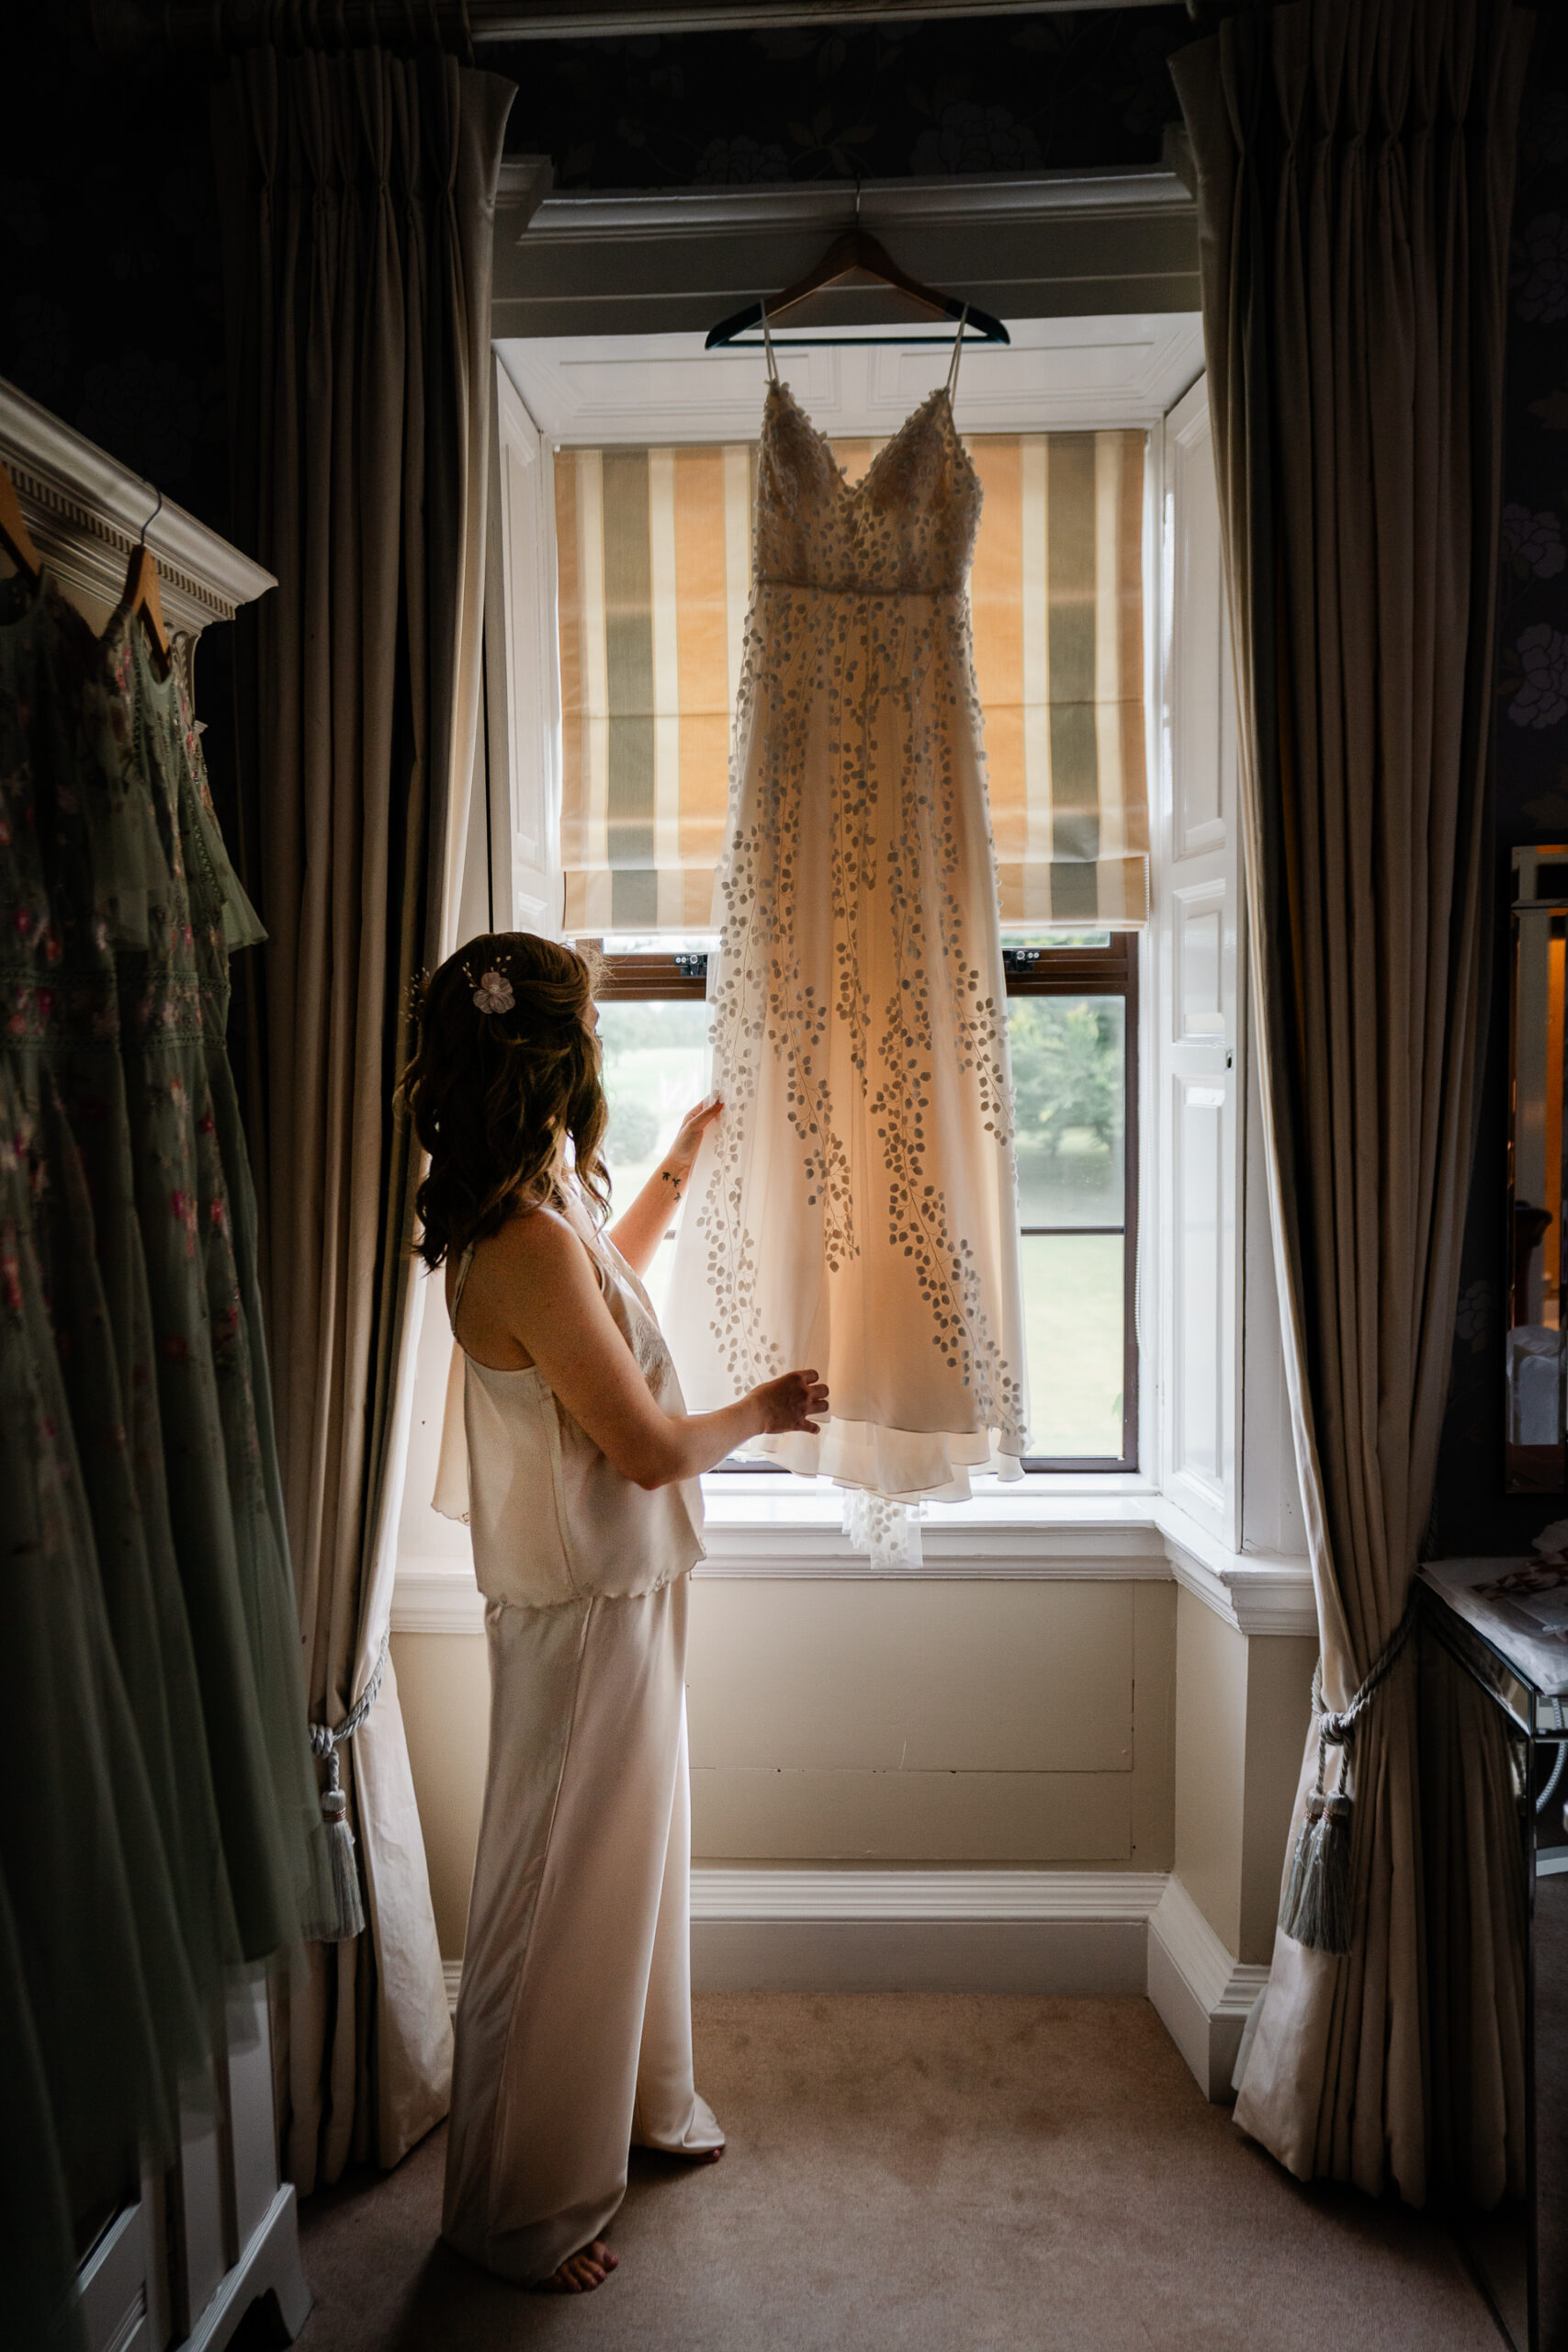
493	993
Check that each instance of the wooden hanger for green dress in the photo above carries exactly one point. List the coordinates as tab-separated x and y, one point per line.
14	531
140	594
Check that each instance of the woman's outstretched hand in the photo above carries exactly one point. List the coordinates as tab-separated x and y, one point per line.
789	1403
640	1228
677	1161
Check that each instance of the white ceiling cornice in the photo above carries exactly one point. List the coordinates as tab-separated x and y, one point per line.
829	205
124	28
86	510
501	20
666	261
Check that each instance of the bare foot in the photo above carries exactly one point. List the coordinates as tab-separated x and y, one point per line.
580	2272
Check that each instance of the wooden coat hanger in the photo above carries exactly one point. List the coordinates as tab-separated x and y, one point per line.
851	259
14	531
139	594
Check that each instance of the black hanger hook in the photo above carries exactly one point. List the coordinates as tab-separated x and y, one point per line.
151	518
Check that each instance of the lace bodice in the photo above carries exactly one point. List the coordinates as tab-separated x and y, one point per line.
906	528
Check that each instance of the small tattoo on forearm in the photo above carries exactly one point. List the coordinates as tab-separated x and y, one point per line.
673	1181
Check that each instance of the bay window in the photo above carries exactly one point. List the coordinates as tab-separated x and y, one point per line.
653	574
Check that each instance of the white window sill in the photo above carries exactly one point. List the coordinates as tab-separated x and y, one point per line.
773	1498
764	1524
1041	1529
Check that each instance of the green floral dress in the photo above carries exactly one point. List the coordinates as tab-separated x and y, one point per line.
162	1821
90	1846
197	1219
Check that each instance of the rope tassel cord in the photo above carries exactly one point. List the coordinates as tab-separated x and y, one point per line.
348	1908
1318	1903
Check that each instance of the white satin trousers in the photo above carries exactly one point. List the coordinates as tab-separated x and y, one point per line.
574	2021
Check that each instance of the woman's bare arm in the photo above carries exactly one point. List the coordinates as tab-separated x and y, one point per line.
640	1227
537	1277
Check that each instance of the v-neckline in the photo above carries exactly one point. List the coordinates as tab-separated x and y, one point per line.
856	489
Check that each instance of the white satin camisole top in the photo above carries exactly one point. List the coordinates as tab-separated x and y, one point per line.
551	1518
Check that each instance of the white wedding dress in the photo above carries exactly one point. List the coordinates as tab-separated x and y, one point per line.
855	1208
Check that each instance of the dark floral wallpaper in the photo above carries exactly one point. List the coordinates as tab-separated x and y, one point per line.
110	307
1530	747
111	314
1000	94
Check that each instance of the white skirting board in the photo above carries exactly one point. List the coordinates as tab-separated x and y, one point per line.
921	1931
803	1931
1202	1994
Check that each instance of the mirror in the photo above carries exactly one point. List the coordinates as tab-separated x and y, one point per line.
1535	1456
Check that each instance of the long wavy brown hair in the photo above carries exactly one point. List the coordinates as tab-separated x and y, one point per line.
493	1093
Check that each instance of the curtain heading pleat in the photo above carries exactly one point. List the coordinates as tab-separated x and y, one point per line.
654	573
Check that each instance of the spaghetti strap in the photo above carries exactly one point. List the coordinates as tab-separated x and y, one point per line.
768	347
957	356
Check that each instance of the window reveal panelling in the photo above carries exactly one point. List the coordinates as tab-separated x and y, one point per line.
1079	1252
654	561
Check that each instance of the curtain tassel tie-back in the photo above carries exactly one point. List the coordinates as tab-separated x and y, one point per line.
348	1908
1316	1907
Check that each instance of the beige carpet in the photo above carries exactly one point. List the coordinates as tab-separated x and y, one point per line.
934	2173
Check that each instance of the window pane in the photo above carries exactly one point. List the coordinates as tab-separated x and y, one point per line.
1021	936
1073	1328
659	942
655	1067
1067	1052
1069	1075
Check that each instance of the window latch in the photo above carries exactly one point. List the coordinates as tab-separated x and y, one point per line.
1021	959
690	968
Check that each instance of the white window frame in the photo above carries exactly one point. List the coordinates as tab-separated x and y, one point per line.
523	690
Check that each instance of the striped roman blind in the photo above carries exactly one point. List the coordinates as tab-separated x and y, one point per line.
654	555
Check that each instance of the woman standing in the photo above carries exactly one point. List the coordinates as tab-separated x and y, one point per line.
581	1486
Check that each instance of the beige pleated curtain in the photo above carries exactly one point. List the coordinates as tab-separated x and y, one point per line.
654	575
357	193
1355	163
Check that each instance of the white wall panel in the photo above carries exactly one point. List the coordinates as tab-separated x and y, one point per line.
522	684
1201	919
980	1723
1203	1299
752	1815
1272	1519
1198	1027
965	1677
1203	762
1226	1448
